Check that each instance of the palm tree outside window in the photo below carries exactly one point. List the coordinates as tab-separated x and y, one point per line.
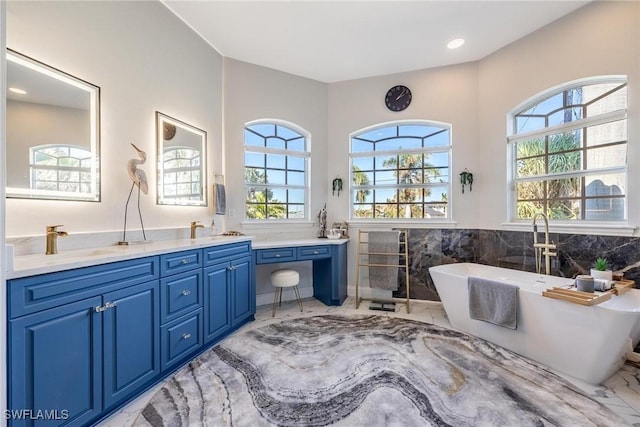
401	170
276	171
569	152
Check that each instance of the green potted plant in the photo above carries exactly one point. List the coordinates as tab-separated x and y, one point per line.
601	270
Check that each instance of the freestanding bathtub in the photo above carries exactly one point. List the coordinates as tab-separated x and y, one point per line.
586	342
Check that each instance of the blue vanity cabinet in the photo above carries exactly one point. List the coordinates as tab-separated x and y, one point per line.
55	363
329	267
181	331
217	298
82	340
131	340
229	288
243	294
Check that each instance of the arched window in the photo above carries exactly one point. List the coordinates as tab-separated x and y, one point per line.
569	152
64	168
401	170
276	171
181	173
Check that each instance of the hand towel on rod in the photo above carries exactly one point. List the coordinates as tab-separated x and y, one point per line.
220	199
384	248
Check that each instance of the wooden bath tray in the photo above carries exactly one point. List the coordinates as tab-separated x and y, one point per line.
577	297
587	298
622	286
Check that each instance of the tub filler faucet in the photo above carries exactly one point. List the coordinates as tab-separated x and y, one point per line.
52	239
545	248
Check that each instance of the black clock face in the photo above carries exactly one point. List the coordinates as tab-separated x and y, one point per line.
398	98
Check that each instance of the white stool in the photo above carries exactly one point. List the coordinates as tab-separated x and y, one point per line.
284	278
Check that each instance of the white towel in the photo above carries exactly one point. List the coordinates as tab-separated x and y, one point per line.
493	302
384	242
220	199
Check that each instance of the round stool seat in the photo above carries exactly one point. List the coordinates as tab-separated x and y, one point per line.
285	278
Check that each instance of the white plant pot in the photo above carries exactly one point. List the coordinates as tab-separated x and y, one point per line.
602	275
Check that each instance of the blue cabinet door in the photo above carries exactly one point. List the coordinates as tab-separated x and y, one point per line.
243	295
217	315
131	340
56	358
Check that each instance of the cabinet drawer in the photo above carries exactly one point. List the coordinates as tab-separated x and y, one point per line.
178	262
314	252
180	294
35	293
222	253
180	338
266	256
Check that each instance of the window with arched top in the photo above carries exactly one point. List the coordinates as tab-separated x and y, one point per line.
568	148
401	170
276	171
65	168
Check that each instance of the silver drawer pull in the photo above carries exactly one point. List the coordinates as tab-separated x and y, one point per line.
185	261
100	309
277	255
186	335
186	292
316	252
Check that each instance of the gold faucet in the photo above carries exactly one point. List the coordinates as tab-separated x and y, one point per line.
543	248
52	238
194	225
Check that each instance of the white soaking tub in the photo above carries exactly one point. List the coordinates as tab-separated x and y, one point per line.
586	342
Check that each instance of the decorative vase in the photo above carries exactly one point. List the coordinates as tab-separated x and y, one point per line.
602	275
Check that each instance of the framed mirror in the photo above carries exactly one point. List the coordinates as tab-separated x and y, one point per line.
182	171
53	133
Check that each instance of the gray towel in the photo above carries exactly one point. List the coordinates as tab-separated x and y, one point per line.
493	302
220	197
384	242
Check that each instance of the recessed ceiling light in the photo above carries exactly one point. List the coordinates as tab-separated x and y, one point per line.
455	43
18	91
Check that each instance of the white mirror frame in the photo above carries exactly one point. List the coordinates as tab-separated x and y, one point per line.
185	137
58	79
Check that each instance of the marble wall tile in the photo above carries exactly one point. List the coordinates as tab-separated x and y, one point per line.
511	249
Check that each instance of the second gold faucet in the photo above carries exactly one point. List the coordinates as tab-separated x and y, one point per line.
194	226
52	239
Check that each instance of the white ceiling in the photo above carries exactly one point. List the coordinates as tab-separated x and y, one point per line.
332	41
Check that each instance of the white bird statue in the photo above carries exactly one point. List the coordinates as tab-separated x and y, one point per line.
139	179
138	176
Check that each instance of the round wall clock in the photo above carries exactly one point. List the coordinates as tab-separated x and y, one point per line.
398	98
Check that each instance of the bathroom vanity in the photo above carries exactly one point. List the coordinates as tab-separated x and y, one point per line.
90	330
128	323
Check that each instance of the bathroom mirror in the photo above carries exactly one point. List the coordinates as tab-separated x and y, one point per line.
53	133
181	162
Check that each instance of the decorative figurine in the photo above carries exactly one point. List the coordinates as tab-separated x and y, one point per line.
322	222
139	179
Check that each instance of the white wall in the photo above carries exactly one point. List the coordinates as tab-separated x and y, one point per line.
144	60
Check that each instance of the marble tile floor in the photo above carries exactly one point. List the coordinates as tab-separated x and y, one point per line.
620	393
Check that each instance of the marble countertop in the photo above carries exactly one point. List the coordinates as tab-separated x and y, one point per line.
31	265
